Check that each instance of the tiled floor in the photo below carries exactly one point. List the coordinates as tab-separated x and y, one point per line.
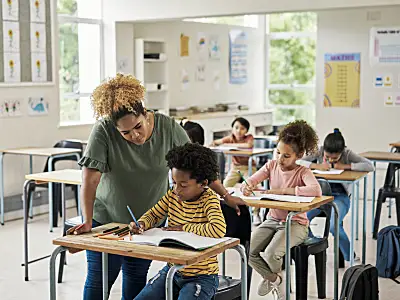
13	286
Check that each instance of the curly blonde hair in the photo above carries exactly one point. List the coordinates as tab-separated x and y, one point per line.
118	96
301	136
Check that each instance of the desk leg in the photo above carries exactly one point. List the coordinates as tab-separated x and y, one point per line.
353	224
104	258
63	209
79	200
52	274
31	200
373	195
336	253
169	282
50	168
357	207
2	189
223	264
364	237
229	161
243	269
250	166
25	212
287	254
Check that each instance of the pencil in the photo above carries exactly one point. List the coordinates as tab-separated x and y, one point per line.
240	173
133	216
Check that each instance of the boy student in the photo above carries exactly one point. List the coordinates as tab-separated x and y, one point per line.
192	207
242	139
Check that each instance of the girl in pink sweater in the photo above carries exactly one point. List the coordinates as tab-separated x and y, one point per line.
267	246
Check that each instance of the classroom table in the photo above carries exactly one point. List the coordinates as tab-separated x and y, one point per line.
353	178
382	157
178	257
66	176
250	153
294	209
394	146
51	153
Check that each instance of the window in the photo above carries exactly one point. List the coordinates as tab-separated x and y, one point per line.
81	58
244	21
291	52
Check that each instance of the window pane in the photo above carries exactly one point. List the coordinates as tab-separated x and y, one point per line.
283	116
69	110
293	22
79	63
245	20
80	8
292	97
292	61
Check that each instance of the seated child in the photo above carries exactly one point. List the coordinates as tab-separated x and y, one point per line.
192	207
239	138
268	246
334	154
194	131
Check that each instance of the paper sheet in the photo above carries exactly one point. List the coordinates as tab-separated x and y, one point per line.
330	172
10	10
260	196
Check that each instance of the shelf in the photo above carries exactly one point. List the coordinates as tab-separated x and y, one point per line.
149	60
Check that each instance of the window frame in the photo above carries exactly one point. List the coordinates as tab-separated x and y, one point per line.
66	19
270	36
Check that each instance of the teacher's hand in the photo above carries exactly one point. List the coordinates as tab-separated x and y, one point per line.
234	202
79	229
135	229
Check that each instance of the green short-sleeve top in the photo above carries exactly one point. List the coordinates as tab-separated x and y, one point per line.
134	175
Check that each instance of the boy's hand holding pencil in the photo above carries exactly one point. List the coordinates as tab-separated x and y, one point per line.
135	229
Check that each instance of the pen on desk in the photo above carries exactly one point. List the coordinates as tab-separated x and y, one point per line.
110	229
133	216
245	181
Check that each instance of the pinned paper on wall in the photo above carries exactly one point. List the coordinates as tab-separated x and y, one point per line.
238	49
184	45
378	81
388	80
39	67
12	67
388	99
11	35
38	37
201	72
124	64
342	80
38	11
216	80
10	10
37	106
10	108
184	80
385	45
215	50
397	99
202	51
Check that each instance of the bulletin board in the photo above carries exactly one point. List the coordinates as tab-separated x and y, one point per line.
25	42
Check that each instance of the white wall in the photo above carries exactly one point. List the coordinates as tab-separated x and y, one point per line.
128	10
203	93
372	126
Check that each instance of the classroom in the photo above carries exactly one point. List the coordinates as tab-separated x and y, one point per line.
208	149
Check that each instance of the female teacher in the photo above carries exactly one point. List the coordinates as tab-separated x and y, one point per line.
124	164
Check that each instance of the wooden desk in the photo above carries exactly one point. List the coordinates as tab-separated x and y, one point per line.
51	153
382	157
178	257
250	153
353	178
66	176
296	208
395	145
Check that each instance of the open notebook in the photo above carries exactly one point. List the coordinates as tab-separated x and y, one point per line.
226	147
330	172
261	196
179	239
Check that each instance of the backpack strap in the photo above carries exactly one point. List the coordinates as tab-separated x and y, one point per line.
355	278
346	279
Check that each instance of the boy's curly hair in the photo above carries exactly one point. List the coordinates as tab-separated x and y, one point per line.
117	97
200	161
301	136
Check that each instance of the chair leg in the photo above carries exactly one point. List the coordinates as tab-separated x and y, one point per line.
301	266
61	267
320	266
75	189
341	260
377	215
398	210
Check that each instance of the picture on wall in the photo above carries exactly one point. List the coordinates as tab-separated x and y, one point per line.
10	10
184	45
215	49
342	80
237	57
10	108
37	106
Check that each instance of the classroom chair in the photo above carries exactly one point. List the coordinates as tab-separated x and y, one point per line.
221	163
265	144
389	190
236	227
57	186
313	246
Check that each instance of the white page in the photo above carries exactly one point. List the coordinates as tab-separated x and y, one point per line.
261	196
155	235
225	147
330	172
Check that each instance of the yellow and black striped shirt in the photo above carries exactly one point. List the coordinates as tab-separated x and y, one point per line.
202	217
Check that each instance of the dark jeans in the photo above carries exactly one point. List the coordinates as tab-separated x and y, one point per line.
134	274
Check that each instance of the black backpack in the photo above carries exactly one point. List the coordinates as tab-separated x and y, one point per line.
360	283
